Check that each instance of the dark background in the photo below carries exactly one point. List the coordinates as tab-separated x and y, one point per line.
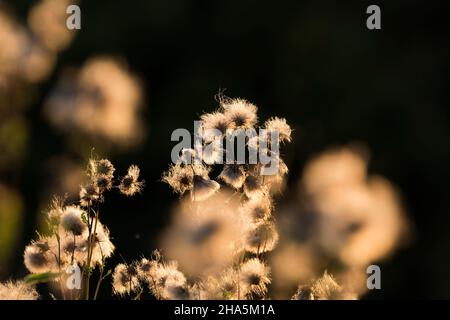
313	62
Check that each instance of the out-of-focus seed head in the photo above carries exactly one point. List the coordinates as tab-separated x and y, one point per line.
36	260
323	288
253	186
55	212
72	220
303	293
258	208
228	284
18	290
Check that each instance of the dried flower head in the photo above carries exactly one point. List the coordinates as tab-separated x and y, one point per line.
166	281
258	208
187	156
18	290
72	220
254	186
101	173
102	167
203	188
212	151
303	293
55	213
228	284
240	113
103	182
175	289
143	267
129	185
103	247
262	238
89	194
275	182
324	288
37	259
254	277
125	279
179	177
280	126
233	175
215	121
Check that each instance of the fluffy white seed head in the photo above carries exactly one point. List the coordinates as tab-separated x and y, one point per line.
324	288
241	113
280	126
102	167
233	175
216	121
254	277
125	279
38	259
89	194
18	290
262	238
203	188
72	220
180	178
258	209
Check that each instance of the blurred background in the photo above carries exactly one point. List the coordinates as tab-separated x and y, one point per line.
314	63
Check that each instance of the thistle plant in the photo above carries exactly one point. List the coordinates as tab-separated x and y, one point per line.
76	235
224	231
221	232
18	290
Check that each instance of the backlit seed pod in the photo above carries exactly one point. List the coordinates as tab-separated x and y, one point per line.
36	260
240	113
89	194
129	185
203	188
233	175
262	238
18	290
279	126
254	276
258	209
125	280
72	221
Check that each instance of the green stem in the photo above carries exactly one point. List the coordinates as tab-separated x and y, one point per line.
90	251
99	282
59	266
138	296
